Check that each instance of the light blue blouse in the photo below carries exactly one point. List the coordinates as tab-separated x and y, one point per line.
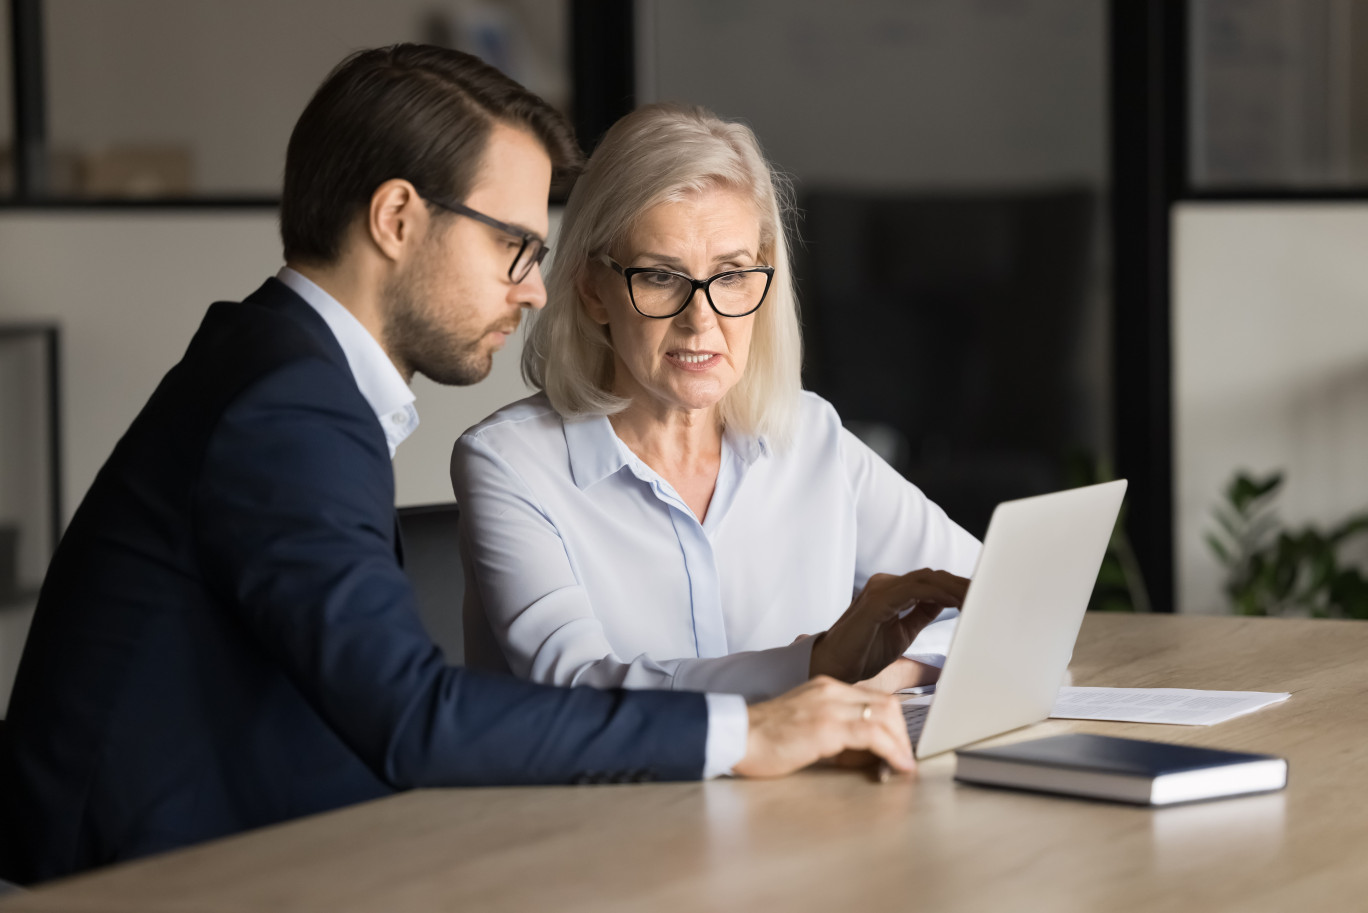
584	567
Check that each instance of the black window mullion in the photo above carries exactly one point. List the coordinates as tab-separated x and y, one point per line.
1147	161
30	102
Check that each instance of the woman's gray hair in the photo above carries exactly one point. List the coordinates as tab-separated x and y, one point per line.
657	154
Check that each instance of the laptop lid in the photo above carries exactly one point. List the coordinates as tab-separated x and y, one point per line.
1020	619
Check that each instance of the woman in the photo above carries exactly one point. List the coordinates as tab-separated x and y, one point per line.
673	510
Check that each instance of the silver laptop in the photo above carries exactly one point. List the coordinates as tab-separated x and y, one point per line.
1017	628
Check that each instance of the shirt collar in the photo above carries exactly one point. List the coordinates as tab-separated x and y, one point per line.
376	376
596	451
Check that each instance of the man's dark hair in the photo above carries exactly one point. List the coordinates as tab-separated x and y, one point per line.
408	111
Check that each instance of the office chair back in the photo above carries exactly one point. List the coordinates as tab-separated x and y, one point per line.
432	560
7	778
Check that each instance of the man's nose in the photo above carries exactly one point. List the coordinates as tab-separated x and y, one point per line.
531	291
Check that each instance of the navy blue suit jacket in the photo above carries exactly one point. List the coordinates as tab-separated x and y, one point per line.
226	638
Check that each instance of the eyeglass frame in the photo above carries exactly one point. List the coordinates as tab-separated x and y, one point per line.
629	271
521	234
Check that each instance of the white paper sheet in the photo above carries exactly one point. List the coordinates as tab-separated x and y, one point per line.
1184	706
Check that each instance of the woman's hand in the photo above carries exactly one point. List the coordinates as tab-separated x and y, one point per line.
874	631
899	674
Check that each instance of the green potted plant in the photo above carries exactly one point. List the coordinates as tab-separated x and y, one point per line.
1274	570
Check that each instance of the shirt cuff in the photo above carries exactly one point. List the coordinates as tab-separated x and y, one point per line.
757	675
728	729
933	643
780	669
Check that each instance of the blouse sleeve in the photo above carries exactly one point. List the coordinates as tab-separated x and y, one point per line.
540	614
899	529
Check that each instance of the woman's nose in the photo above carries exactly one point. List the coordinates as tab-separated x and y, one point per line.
698	313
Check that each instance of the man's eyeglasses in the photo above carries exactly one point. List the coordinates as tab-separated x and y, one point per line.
663	293
530	254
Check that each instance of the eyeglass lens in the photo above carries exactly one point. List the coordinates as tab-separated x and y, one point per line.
661	294
529	256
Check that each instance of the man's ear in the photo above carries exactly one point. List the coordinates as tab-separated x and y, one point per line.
588	287
397	219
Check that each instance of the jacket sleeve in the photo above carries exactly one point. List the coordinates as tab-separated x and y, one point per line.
294	522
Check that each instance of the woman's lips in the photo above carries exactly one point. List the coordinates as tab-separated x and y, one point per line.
693	361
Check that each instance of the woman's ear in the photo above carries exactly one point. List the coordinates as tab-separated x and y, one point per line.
587	284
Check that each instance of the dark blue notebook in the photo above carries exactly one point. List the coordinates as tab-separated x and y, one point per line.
1122	770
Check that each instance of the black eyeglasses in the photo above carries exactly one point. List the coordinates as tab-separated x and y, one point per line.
532	252
663	293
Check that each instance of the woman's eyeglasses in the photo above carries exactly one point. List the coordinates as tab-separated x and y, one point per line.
662	293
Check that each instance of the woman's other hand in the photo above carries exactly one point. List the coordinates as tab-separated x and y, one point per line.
882	622
899	674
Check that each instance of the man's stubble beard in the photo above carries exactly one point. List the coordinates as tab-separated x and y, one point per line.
423	343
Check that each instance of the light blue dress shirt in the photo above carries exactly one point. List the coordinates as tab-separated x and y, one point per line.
589	569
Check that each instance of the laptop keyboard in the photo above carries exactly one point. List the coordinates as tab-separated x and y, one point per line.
915	715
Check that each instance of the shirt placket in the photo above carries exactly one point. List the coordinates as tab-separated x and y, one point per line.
696	548
700	568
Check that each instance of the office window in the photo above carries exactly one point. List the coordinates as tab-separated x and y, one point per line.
196	98
1278	94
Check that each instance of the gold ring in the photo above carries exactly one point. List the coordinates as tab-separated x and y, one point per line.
866	713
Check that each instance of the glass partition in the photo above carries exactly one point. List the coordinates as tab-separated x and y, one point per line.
196	98
1278	94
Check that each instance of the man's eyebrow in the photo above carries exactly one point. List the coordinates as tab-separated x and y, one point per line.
527	231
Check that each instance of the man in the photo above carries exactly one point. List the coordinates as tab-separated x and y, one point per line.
226	638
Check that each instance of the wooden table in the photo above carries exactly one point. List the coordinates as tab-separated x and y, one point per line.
836	841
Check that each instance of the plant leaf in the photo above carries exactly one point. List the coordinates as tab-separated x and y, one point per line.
1233	526
1219	549
1350	527
1268	485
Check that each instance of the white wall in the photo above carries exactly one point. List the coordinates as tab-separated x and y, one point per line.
1270	333
129	289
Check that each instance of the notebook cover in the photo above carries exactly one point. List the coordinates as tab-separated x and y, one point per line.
1110	754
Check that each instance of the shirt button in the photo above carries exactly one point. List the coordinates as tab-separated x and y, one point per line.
398	418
